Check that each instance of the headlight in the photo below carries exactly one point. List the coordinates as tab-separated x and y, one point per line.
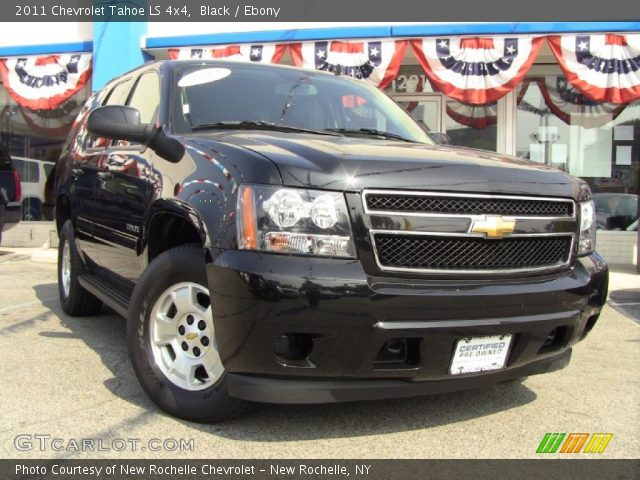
293	220
587	240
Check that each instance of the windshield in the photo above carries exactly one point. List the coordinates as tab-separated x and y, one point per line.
239	96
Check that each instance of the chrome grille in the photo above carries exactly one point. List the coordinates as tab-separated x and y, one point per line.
470	253
467	205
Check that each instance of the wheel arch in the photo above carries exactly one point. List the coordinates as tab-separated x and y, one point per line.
171	224
62	211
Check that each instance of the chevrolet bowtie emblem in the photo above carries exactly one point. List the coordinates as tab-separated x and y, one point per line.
493	226
191	335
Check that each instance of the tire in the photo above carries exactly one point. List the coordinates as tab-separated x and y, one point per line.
74	299
166	349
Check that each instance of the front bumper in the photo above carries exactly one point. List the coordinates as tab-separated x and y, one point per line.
347	316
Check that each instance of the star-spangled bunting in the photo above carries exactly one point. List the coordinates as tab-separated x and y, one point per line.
573	107
604	67
376	61
477	70
259	53
44	83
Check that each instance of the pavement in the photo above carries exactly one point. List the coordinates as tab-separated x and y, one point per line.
71	379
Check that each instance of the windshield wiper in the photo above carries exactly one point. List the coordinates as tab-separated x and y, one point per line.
369	132
257	125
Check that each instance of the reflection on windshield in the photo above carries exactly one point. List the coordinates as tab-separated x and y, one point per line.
268	97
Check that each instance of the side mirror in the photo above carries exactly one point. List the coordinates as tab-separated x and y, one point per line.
440	138
119	122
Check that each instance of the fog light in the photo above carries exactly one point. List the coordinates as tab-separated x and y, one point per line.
293	346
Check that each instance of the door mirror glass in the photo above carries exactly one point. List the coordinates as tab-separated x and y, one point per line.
118	122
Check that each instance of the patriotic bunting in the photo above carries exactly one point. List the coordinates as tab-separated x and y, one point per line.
376	61
245	53
44	83
476	70
474	116
573	107
605	67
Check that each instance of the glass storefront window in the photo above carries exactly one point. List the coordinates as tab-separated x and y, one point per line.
34	138
472	126
598	142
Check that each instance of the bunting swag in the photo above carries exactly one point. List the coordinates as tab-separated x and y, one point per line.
246	53
44	83
480	116
476	70
605	67
474	116
376	61
574	108
55	122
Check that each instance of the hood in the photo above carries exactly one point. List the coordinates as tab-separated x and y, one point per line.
351	164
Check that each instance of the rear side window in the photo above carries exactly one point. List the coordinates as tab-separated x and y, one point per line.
146	96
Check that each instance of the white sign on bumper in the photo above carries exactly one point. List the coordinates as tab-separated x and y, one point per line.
479	354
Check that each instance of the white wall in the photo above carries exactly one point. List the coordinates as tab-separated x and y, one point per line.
170	29
42	33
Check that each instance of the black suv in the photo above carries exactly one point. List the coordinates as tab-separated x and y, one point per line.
281	235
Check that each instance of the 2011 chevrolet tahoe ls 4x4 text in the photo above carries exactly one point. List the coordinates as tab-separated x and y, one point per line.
281	235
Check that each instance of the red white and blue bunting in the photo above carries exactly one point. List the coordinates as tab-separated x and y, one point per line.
480	116
476	70
259	53
44	83
573	107
605	67
376	61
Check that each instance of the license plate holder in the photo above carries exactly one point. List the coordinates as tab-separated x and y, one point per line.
480	354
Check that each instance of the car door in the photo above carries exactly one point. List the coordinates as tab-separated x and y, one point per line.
127	185
88	153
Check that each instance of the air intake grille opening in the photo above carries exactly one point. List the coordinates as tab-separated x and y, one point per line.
468	205
470	253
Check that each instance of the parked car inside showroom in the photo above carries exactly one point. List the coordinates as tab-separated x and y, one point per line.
616	211
281	235
34	176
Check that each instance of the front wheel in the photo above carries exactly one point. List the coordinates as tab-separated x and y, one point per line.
171	338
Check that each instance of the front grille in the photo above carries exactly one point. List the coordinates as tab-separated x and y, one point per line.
470	253
515	207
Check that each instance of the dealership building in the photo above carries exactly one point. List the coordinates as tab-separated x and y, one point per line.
563	94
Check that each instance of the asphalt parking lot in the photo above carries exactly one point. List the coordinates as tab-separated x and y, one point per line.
70	378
